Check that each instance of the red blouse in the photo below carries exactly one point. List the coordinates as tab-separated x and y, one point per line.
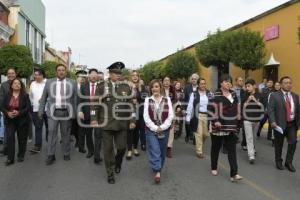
14	103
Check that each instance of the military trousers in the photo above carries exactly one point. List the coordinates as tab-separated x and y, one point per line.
113	140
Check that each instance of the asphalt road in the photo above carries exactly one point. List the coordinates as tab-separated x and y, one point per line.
184	177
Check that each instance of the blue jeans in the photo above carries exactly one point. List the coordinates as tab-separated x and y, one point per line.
156	150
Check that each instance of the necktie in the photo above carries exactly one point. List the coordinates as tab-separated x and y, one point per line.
288	107
93	90
62	93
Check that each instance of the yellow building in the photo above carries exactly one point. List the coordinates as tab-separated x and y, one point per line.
280	28
62	57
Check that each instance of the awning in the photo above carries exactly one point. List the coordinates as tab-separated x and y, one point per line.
272	61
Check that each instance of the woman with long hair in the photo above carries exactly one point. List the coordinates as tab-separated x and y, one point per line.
133	136
158	115
15	107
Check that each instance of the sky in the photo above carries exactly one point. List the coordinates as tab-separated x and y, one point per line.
138	31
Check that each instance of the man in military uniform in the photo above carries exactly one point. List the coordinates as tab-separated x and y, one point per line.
114	114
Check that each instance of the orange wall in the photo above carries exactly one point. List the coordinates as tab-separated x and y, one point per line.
285	48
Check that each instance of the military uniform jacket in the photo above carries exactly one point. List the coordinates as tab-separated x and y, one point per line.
115	109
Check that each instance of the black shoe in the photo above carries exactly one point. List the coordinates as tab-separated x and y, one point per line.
50	160
252	161
290	167
128	157
97	160
82	150
136	154
186	139
143	147
67	158
35	150
111	180
9	162
20	159
279	165
89	155
118	169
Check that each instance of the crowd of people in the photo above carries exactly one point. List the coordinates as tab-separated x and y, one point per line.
116	114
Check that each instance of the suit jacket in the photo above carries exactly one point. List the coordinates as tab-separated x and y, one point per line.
84	97
277	110
188	90
24	108
49	94
4	90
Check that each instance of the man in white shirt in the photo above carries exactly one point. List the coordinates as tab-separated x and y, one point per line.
35	94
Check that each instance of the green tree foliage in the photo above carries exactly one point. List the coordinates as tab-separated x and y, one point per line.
152	70
247	50
215	50
18	57
244	48
126	74
181	65
49	68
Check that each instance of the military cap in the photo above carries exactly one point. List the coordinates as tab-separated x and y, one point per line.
116	67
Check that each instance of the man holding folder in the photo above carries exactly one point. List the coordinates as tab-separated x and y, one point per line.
284	117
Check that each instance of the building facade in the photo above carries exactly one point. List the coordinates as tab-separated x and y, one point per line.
62	57
5	31
280	27
27	18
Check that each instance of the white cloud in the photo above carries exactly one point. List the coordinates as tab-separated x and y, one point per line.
137	31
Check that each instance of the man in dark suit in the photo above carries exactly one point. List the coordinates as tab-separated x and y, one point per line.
4	90
87	92
188	90
284	117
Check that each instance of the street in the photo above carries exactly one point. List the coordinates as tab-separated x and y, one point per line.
184	177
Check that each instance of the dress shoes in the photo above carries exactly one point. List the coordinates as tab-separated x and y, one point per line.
279	165
89	155
290	167
97	160
67	157
9	162
50	160
111	180
82	150
118	169
20	159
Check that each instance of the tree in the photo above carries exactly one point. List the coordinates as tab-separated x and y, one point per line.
49	68
126	74
247	50
18	57
215	50
181	65
151	70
